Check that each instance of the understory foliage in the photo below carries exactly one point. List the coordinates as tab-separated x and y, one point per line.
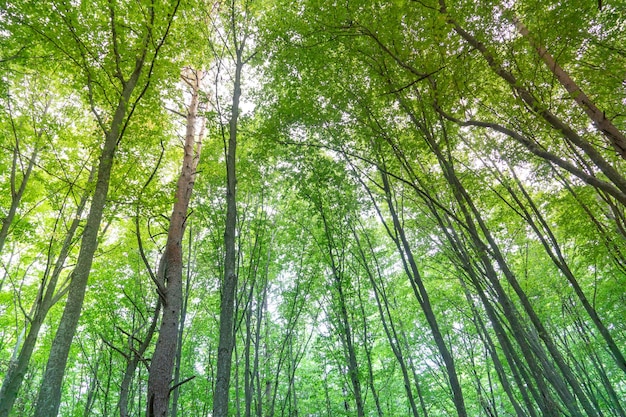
403	208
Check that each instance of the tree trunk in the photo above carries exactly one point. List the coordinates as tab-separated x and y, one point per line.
553	250
367	347
603	124
49	397
422	296
17	370
229	284
170	273
588	148
133	360
181	327
382	303
16	194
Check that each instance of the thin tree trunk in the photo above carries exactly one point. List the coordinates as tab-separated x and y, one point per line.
615	136
385	314
17	370
366	345
132	361
248	377
553	250
93	385
170	273
594	155
422	296
470	212
229	283
491	349
181	327
261	308
16	193
345	329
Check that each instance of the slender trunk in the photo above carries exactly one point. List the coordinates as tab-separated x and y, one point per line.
17	370
229	284
603	124
261	307
170	273
367	347
133	361
553	249
491	349
293	366
237	376
544	398
93	384
615	400
551	119
526	338
248	378
345	329
346	334
422	296
16	194
475	222
385	315
181	327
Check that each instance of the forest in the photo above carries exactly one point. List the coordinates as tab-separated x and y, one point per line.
281	208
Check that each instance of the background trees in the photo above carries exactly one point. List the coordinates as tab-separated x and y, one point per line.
423	214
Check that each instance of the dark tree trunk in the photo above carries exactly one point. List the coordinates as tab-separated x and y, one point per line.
17	370
16	192
181	328
389	327
132	361
229	283
613	134
49	397
422	296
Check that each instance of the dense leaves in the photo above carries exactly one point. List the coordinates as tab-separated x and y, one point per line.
424	215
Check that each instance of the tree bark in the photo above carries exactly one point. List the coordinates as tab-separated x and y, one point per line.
49	397
229	283
613	174
17	370
603	124
422	296
181	328
16	193
132	361
170	273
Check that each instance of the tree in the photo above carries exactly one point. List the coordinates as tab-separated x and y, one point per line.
402	208
169	277
66	34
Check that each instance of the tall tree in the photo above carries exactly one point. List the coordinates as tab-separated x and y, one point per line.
237	21
67	33
169	277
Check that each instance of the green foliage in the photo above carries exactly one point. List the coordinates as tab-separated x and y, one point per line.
335	95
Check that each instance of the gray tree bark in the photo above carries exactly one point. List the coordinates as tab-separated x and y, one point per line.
229	284
49	397
47	298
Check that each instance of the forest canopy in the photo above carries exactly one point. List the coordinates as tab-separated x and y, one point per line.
312	208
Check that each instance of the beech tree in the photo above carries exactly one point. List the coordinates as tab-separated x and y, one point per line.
402	208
